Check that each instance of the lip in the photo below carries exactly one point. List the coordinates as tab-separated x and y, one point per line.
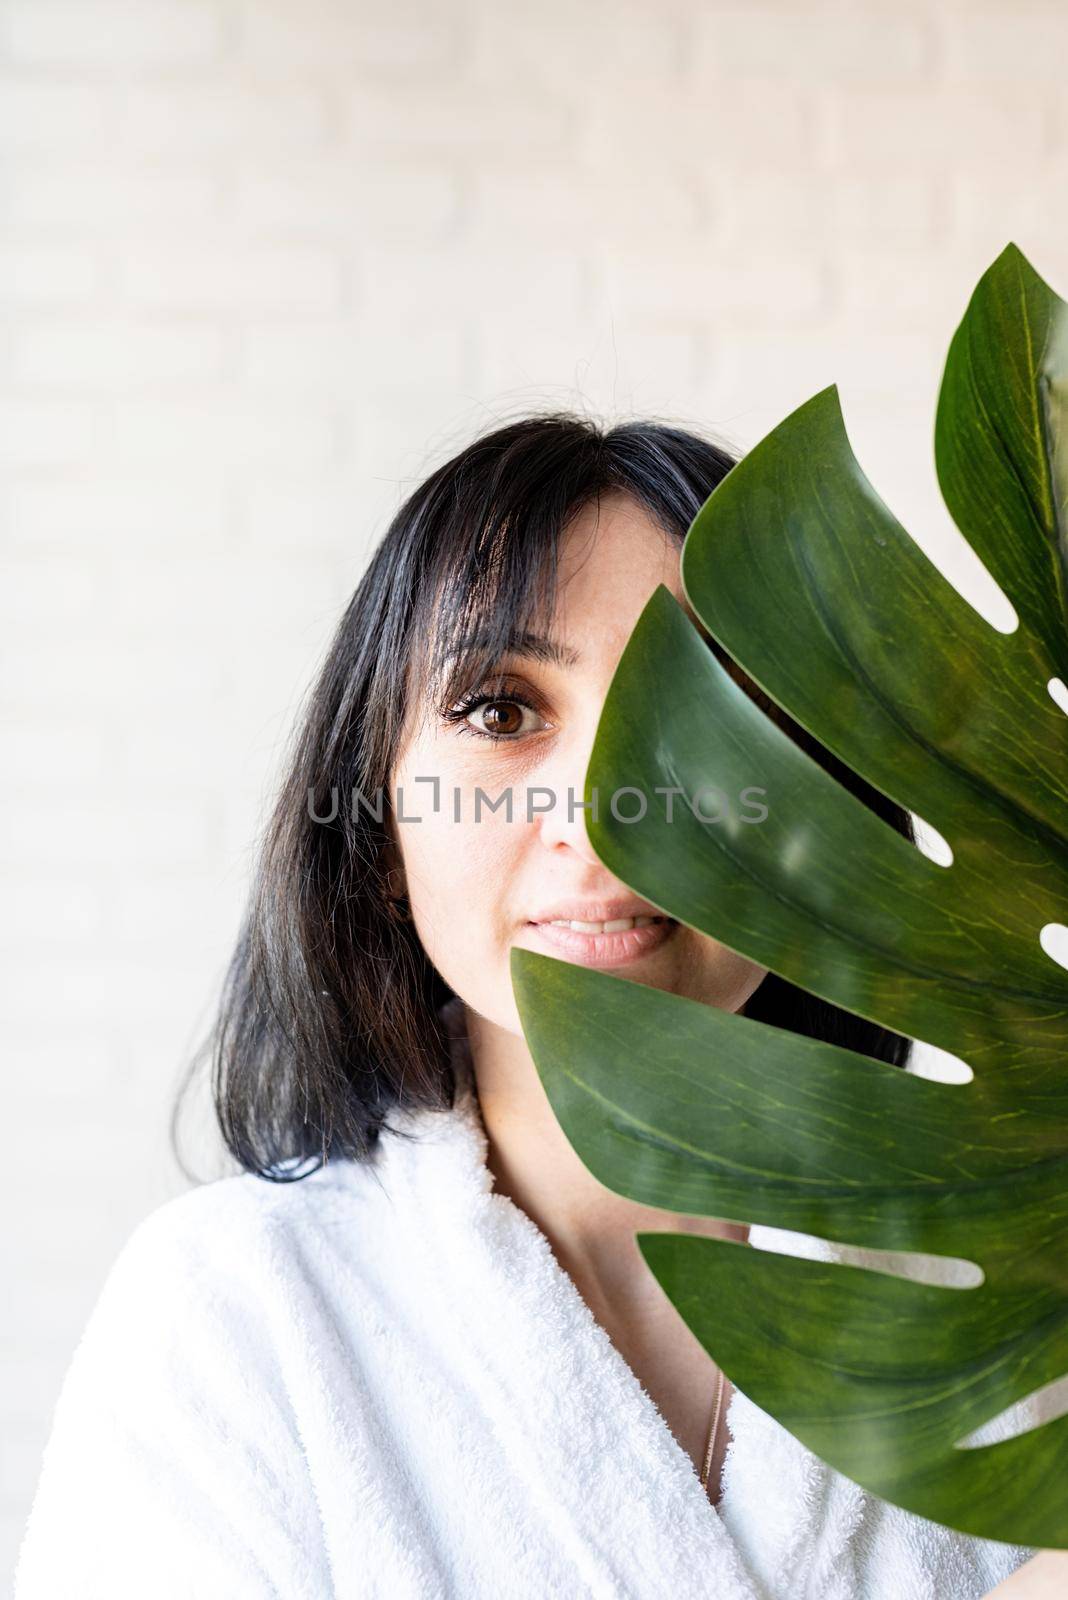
590	910
604	949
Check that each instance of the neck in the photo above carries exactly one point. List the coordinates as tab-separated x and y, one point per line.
590	1228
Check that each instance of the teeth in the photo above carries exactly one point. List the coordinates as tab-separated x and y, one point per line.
617	925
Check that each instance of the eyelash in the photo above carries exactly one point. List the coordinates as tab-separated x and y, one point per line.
458	714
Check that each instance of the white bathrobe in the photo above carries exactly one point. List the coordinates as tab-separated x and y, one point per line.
379	1382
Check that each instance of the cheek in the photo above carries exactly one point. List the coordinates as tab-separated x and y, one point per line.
459	876
717	975
747	977
464	878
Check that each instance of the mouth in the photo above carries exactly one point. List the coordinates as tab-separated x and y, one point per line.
612	943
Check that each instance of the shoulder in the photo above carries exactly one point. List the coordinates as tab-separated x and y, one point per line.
179	1423
235	1227
209	1279
246	1207
239	1287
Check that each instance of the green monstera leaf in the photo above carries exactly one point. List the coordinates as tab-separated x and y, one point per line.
800	571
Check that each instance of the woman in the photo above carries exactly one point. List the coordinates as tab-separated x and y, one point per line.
425	1357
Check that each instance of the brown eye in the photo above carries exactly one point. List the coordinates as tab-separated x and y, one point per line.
501	716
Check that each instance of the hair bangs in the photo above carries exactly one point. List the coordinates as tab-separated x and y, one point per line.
498	579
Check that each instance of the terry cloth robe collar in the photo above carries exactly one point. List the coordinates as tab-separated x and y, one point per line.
617	1491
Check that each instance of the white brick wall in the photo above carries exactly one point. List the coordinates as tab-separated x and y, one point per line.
262	263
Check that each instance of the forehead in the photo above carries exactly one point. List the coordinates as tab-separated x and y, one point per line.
615	519
606	559
610	553
612	558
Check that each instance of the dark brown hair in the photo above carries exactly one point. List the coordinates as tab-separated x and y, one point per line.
329	1013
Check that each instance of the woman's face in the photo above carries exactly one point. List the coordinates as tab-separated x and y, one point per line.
478	887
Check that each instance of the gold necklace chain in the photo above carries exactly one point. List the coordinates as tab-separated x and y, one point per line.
713	1432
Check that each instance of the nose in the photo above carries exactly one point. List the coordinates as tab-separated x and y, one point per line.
556	800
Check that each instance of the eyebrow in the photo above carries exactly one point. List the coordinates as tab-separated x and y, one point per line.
520	642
